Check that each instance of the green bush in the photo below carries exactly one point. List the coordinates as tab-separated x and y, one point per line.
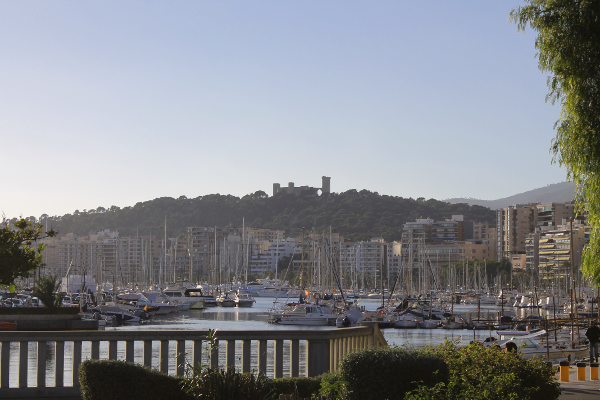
120	380
478	372
333	386
390	373
215	384
301	387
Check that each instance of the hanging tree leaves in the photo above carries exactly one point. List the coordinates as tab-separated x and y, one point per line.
20	255
568	45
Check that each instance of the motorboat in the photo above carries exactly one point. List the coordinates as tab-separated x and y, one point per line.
120	314
226	300
380	318
406	321
206	300
182	297
454	322
305	314
156	299
529	347
243	299
429	324
350	318
269	288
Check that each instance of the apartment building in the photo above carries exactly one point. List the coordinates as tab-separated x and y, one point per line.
513	224
104	255
557	256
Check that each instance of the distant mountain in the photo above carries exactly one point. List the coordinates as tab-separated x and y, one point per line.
554	193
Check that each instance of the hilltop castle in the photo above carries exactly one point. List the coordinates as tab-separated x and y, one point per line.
325	188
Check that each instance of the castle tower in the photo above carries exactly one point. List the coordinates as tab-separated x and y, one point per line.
291	187
276	188
326	184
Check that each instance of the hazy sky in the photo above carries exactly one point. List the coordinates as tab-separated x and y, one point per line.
113	102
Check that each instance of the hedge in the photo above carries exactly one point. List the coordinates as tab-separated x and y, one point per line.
390	373
299	386
120	380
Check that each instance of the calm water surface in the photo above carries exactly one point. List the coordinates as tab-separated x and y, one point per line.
255	318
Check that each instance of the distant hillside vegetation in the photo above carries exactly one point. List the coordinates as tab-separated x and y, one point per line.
355	215
554	193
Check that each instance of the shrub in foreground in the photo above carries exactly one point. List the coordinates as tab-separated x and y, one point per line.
390	373
299	386
120	380
220	384
333	386
477	372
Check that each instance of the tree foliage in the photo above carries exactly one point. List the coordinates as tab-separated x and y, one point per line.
488	373
568	45
20	256
358	215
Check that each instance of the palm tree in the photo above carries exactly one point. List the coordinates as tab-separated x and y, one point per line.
46	289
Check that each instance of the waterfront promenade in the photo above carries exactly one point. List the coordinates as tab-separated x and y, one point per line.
579	390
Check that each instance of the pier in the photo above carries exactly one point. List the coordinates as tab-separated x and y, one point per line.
44	365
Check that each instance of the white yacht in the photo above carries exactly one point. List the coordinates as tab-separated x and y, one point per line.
182	297
529	347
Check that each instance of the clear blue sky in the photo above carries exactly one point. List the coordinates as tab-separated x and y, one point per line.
113	102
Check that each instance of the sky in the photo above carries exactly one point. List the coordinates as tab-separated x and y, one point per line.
111	103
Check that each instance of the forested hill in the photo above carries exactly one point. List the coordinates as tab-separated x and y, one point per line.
355	215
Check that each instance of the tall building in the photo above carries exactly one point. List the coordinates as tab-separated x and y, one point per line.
556	254
513	224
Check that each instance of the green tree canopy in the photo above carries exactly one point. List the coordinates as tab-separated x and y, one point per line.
19	254
568	45
355	215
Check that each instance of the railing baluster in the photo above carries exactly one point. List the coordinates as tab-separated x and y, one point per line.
230	354
262	357
294	357
163	355
197	353
112	350
5	366
214	355
76	360
129	350
41	364
246	355
147	353
278	359
331	354
59	363
23	350
317	357
334	349
95	350
180	358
